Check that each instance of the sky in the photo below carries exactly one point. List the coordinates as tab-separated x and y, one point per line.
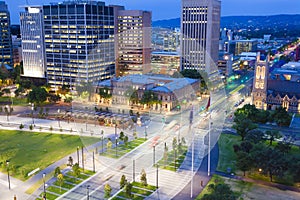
167	9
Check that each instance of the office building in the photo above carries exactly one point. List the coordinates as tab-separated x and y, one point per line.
236	47
79	42
200	29
5	36
165	62
17	49
33	50
133	41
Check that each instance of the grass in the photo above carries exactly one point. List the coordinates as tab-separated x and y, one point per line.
123	149
50	196
56	190
227	156
138	192
214	179
15	100
64	185
170	165
30	150
227	159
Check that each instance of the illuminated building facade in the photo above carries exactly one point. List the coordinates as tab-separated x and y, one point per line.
79	42
236	47
200	30
33	53
133	42
5	36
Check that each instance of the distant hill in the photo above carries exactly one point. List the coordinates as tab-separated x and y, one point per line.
239	22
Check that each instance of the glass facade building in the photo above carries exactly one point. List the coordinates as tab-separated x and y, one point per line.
33	53
79	42
5	36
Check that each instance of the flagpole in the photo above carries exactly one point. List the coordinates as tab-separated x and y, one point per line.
208	156
193	135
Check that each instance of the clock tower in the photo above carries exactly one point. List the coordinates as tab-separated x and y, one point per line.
260	80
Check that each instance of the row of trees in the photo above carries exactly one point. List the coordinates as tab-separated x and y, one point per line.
246	117
273	160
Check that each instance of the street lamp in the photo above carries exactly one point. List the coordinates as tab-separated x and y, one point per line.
44	175
78	155
88	192
146	132
58	111
7	112
102	135
8	177
116	146
32	109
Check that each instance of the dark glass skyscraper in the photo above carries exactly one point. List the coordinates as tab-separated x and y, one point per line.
5	36
79	42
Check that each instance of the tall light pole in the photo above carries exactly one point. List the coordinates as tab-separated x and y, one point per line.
44	196
7	112
8	177
157	175
146	132
82	158
88	192
154	154
133	170
78	155
32	109
93	161
58	111
102	140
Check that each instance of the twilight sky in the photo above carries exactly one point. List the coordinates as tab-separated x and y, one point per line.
166	9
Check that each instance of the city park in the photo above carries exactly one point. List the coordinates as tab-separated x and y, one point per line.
38	133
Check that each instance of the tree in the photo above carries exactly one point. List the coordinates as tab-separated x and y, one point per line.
128	188
174	143
132	95
105	93
123	181
243	125
37	95
149	98
144	178
272	135
109	145
255	136
165	155
244	161
76	169
54	98
121	137
57	171
107	191
126	140
282	117
220	192
60	179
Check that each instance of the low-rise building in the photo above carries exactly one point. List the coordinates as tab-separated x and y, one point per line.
170	92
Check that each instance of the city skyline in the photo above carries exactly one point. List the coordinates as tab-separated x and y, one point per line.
229	7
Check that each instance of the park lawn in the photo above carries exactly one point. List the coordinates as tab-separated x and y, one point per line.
57	190
170	165
72	179
138	191
64	185
27	151
123	149
227	159
227	156
14	100
49	196
213	180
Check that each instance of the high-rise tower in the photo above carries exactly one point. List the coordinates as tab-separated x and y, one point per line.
33	49
200	30
5	36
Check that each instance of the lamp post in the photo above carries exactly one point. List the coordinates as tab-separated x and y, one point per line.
88	192
8	177
116	146
102	135
154	154
44	196
157	175
133	170
78	155
7	112
32	109
93	161
82	159
58	111
146	132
